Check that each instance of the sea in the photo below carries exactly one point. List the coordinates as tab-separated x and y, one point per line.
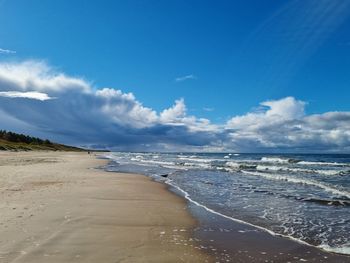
304	197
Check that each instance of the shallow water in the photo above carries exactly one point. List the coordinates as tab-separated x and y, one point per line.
304	197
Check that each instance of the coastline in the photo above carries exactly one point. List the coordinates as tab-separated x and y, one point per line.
56	207
242	242
228	239
234	240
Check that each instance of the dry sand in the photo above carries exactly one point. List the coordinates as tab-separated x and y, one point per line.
55	207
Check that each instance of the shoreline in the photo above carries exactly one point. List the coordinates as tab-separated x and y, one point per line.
247	243
240	225
56	207
63	207
227	238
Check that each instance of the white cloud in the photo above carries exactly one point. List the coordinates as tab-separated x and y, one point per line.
277	111
184	78
80	114
284	125
7	51
123	108
27	95
287	108
175	113
35	75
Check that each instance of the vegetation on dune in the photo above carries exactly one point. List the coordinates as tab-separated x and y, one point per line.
20	142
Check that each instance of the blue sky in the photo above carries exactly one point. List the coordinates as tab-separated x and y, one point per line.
224	58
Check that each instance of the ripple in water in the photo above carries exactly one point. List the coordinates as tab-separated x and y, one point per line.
305	197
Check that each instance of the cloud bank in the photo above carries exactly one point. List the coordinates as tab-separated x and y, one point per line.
36	99
283	126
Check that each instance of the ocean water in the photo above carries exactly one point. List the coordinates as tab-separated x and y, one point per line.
302	197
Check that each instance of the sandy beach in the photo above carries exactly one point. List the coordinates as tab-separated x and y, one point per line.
59	207
56	207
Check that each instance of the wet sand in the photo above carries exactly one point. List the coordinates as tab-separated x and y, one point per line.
55	207
230	241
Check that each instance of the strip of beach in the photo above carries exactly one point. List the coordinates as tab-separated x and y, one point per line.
59	207
56	207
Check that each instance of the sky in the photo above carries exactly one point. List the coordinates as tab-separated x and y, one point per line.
242	76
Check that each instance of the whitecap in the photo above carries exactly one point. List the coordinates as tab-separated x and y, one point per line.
323	163
273	160
309	182
301	170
